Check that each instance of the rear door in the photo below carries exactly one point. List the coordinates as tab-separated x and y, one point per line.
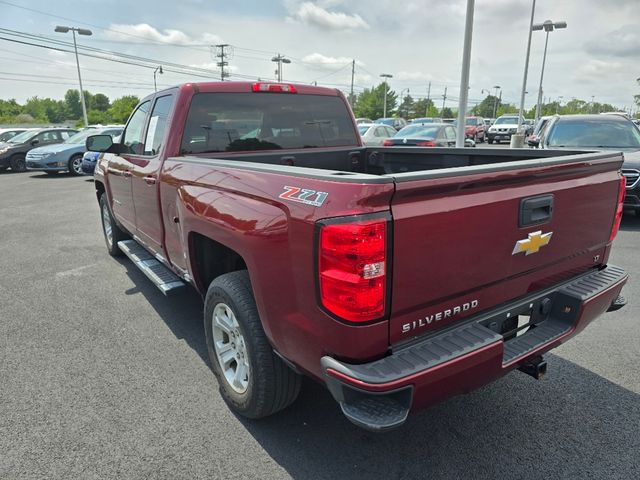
460	245
144	180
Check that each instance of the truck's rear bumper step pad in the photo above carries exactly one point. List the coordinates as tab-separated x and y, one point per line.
476	346
161	276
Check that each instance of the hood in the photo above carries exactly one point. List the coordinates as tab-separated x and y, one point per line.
632	159
58	147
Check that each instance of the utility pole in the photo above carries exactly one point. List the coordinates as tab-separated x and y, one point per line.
353	72
591	109
426	113
444	99
517	140
280	59
222	56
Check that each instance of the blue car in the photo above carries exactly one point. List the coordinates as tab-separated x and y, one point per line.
66	156
89	162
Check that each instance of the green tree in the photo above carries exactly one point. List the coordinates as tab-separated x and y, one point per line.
72	102
446	113
407	107
485	108
121	108
370	102
424	108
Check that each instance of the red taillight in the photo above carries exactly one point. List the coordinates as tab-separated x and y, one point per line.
387	143
619	209
353	270
426	143
274	87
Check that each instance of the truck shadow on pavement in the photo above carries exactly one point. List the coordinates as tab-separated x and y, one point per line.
572	424
630	222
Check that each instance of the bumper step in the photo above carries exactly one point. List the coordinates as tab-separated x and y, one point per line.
163	278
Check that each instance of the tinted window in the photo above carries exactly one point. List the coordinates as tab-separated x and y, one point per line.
132	138
506	120
594	134
49	137
471	121
232	122
7	135
450	133
157	124
418	131
390	131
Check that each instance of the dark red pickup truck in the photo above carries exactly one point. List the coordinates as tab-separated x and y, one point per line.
396	276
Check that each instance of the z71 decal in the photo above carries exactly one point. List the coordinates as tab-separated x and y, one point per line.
304	195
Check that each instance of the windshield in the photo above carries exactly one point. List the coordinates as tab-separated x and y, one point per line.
80	137
596	133
363	130
22	137
418	131
236	122
471	121
511	120
423	120
7	135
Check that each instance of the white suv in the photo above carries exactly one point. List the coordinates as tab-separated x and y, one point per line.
503	128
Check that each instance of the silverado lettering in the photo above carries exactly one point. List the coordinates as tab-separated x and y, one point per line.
196	192
423	322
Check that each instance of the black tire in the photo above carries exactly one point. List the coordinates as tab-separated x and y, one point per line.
271	384
75	168
18	163
117	234
490	141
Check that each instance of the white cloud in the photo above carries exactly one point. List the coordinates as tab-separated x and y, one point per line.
169	36
413	76
311	14
323	60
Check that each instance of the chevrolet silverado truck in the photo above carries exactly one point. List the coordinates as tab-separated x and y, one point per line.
397	277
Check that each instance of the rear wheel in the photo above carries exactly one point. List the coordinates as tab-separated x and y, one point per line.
18	163
253	380
75	165
112	233
490	141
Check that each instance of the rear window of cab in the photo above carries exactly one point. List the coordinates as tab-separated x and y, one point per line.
241	122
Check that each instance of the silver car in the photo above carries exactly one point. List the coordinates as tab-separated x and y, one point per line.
374	134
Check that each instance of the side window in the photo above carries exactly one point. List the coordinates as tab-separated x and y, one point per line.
132	137
157	125
380	132
450	133
65	134
390	131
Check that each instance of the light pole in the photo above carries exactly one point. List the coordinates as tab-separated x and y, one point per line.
464	74
81	31
547	26
402	99
495	102
560	97
280	59
385	76
157	70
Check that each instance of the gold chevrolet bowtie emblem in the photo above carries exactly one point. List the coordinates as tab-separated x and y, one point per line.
532	244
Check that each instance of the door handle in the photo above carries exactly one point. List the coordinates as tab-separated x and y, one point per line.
150	180
536	210
126	173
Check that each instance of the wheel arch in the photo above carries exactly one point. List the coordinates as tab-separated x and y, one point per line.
209	259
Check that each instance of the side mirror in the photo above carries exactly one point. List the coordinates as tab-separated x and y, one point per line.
35	142
103	143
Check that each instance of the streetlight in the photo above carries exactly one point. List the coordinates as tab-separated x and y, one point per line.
81	31
385	76
402	99
157	70
495	102
547	26
560	97
280	59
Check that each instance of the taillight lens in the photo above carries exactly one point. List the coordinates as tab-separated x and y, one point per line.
387	143
426	143
274	87
352	268
619	209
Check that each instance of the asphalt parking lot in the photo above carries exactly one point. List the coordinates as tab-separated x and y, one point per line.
101	376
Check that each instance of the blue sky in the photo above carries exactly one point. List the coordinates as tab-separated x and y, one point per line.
416	41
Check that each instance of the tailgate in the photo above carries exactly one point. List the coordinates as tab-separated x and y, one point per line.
459	245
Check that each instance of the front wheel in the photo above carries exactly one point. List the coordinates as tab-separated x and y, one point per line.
75	165
18	163
112	233
490	141
253	380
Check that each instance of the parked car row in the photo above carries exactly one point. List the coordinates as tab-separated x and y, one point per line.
50	150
